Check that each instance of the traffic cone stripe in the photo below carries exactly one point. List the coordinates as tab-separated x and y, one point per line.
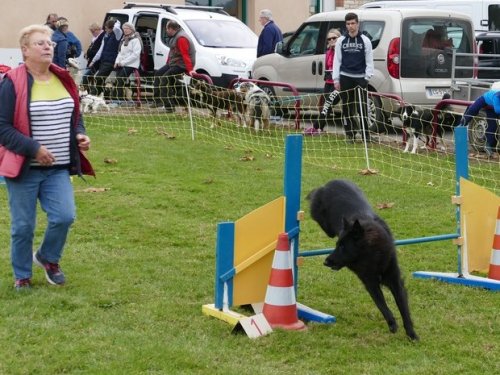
496	239
281	260
495	258
287	315
279	296
281	278
494	271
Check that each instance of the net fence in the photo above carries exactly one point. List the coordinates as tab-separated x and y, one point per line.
232	118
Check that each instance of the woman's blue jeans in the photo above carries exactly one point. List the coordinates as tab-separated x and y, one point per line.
53	188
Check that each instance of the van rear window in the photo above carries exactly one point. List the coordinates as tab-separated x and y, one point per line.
427	47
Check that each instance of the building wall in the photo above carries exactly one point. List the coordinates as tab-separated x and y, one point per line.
16	14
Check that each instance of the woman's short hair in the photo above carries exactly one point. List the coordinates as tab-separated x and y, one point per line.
129	25
94	26
25	33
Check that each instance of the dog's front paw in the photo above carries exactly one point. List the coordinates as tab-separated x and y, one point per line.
412	335
393	326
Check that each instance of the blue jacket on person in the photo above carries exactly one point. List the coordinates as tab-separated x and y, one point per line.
268	38
492	98
74	45
60	49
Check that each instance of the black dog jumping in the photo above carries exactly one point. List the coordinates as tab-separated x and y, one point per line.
365	245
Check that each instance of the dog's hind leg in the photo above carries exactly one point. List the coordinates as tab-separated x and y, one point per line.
373	288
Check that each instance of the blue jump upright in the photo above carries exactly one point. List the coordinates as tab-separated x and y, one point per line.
292	191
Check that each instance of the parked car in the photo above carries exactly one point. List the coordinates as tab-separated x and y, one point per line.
225	47
404	66
489	44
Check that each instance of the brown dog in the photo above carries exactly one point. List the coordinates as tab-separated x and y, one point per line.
215	98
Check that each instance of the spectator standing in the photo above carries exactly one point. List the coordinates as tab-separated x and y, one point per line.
106	55
97	37
51	21
181	59
42	137
325	104
490	103
128	58
60	39
352	68
270	34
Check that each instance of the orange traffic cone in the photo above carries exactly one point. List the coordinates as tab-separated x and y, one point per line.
280	306
494	272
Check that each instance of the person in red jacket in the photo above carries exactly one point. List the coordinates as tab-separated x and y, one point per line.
42	138
181	59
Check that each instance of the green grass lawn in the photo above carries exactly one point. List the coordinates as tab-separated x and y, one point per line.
140	263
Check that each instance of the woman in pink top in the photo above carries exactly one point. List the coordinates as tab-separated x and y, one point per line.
325	104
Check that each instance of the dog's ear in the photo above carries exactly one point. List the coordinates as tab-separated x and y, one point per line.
310	195
357	229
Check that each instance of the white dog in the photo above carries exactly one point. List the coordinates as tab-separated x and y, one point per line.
91	103
257	104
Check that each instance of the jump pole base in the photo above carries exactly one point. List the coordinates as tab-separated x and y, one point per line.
308	314
227	316
455	278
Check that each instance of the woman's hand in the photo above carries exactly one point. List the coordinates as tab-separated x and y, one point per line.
83	142
44	157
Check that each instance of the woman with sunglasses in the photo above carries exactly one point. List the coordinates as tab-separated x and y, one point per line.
325	104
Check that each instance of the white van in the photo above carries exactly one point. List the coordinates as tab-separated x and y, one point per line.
404	65
225	47
485	14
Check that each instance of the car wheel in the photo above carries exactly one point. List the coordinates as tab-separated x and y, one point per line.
477	133
276	109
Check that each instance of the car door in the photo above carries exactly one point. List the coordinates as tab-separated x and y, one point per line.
304	64
161	50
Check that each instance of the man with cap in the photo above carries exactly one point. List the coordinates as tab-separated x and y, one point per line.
490	103
270	35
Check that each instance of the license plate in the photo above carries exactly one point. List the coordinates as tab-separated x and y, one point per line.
437	92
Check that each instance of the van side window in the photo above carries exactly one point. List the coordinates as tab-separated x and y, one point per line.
494	17
306	41
373	30
427	47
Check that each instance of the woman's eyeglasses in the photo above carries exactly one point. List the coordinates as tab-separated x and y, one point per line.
43	43
332	38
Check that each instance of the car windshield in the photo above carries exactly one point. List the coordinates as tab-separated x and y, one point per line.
222	34
427	48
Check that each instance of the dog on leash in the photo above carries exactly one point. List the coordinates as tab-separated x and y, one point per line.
418	124
257	103
91	103
218	98
365	245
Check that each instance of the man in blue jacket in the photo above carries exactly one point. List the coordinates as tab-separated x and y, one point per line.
270	35
490	103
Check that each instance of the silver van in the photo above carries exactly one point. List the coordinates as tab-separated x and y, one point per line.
408	64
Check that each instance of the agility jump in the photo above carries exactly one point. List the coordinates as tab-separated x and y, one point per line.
245	248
